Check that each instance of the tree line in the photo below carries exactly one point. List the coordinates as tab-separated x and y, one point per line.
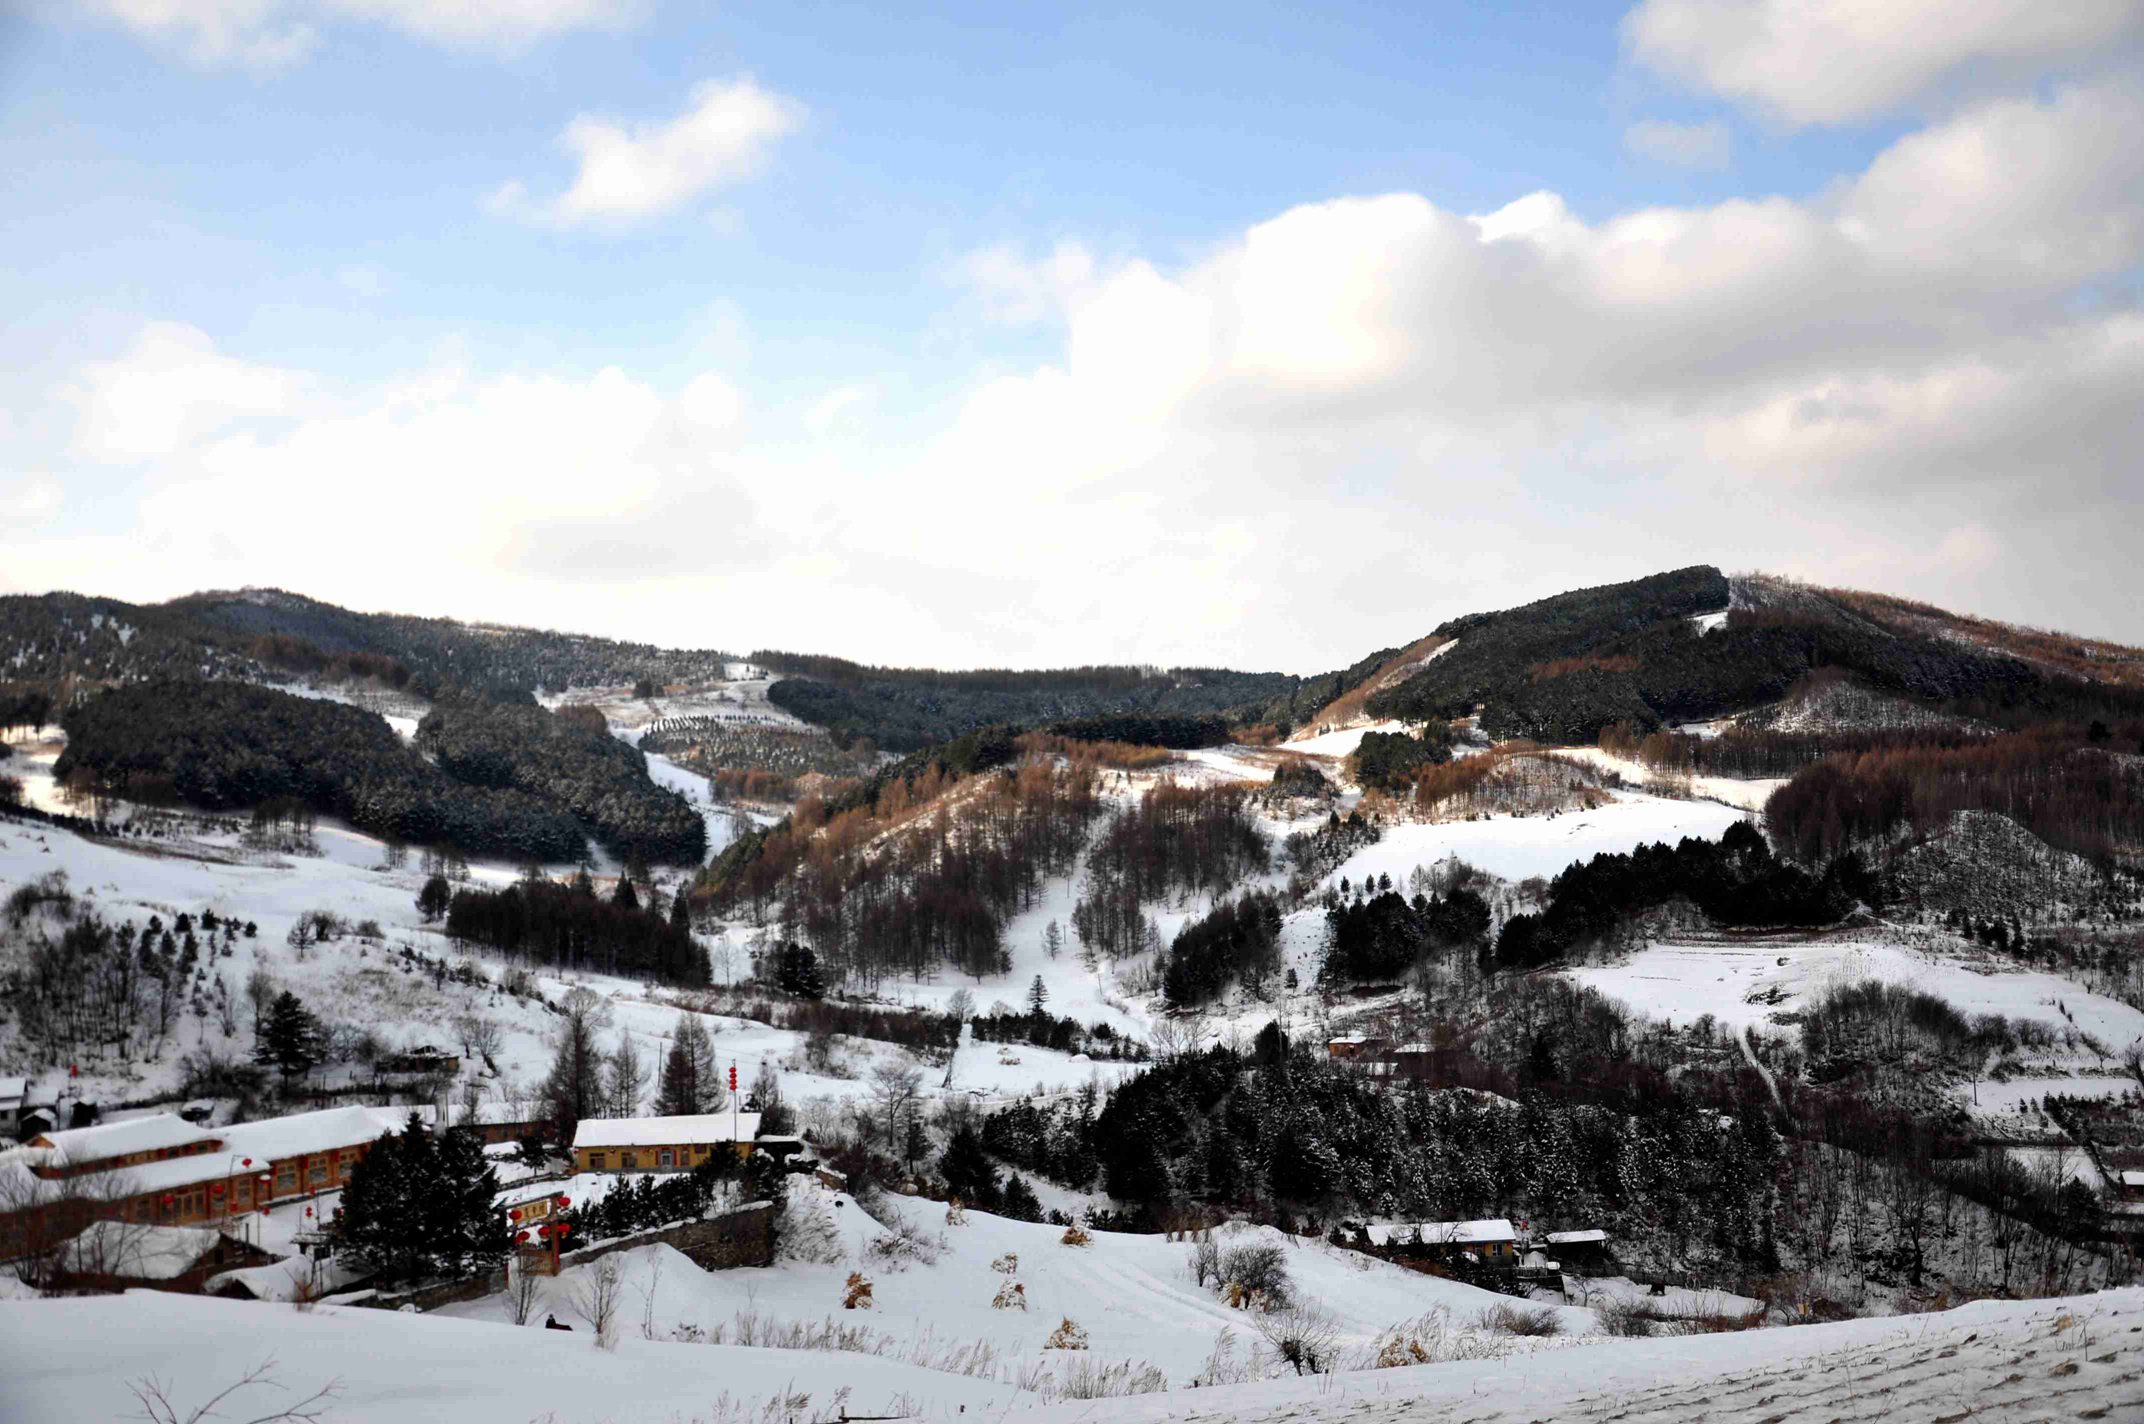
569	926
513	744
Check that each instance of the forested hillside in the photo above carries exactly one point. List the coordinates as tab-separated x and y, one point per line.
1566	668
905	709
511	780
504	743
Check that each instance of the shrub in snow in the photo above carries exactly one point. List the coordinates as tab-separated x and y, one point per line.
1069	1335
1304	1334
1007	1264
857	1294
902	1242
955	1214
1011	1296
1074	1236
1255	1275
1518	1320
1205	1263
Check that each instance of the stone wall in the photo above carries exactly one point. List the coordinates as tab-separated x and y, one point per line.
744	1237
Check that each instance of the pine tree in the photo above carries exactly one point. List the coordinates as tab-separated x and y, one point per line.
420	1204
573	1089
625	1078
1038	994
968	1171
290	1040
1053	939
689	1082
625	897
1020	1202
433	899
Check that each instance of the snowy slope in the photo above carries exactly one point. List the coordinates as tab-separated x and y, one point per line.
2077	1358
1744	981
1517	847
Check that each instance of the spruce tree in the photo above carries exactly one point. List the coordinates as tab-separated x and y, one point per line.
290	1040
1038	994
968	1171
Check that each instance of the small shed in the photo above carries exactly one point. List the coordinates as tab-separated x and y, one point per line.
2129	1184
120	1255
13	1090
1582	1253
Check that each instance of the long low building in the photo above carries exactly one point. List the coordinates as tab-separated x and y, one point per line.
165	1171
660	1144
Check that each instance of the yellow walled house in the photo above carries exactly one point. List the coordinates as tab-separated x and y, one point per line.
660	1144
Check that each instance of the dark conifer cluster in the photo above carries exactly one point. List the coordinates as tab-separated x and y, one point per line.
1237	942
569	926
1378	937
1177	838
225	745
419	1205
513	744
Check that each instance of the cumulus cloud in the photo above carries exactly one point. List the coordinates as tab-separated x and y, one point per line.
273	34
170	390
629	172
1707	145
1805	62
1343	423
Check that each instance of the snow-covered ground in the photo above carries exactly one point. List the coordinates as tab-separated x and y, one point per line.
1341	743
1749	794
1133	1295
80	1359
1745	981
1519	847
2076	1358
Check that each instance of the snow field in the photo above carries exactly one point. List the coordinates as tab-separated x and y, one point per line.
1749	795
1133	1295
1735	981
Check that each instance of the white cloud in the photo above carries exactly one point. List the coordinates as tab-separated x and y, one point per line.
1706	146
169	391
1842	61
840	407
1344	423
1017	290
264	35
29	499
628	172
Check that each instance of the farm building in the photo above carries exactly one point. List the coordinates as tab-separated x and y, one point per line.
1583	1252
117	1256
13	1090
160	1170
660	1144
1490	1241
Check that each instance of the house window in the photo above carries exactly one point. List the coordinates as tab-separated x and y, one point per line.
629	1160
286	1176
666	1158
595	1161
320	1171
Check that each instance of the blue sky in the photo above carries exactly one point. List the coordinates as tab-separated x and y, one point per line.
1037	334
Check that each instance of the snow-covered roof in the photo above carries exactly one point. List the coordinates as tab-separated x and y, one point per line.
146	1253
2133	1177
303	1134
81	1145
1576	1238
13	1090
1440	1233
665	1131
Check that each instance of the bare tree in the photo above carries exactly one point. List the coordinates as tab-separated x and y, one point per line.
157	1407
597	1301
523	1287
896	1088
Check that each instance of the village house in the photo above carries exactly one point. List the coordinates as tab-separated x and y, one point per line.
2129	1184
1582	1253
660	1144
119	1256
1353	1045
161	1170
1491	1241
13	1091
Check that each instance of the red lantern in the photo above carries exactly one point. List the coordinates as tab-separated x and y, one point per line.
169	1199
563	1203
520	1236
733	1077
215	1189
247	1162
308	1211
514	1215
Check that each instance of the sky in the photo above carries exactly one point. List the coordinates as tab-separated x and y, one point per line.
1237	334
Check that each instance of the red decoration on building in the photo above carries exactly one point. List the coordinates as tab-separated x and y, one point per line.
520	1237
215	1189
514	1215
169	1199
563	1203
733	1077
